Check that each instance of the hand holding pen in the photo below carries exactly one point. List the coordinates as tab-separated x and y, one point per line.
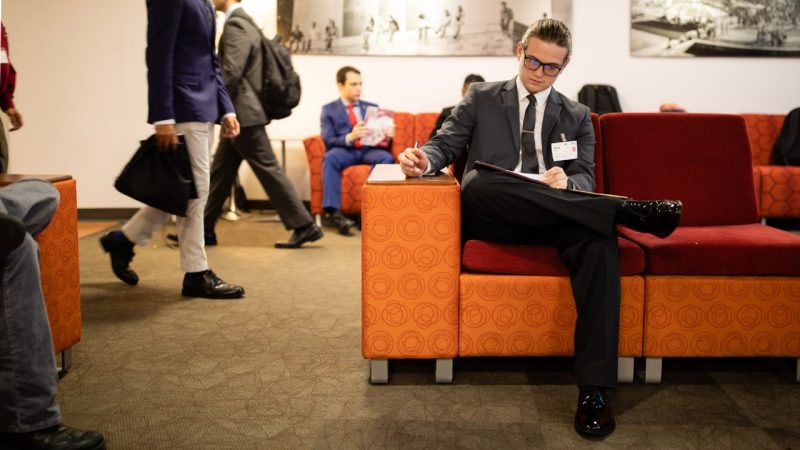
413	161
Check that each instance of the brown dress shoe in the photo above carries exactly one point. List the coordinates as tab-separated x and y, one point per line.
593	416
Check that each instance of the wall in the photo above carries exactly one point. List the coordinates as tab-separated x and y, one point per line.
82	91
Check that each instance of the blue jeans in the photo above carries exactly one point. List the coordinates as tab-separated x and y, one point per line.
27	362
336	160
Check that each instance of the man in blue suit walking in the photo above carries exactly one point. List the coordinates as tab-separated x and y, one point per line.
186	96
342	127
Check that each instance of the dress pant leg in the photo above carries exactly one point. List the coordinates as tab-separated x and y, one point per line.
499	208
224	168
27	363
336	159
199	139
253	145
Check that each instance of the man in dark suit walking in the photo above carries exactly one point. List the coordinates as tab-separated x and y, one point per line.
342	127
242	62
186	96
526	126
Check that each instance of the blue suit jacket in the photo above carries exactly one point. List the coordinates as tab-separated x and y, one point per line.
183	75
335	123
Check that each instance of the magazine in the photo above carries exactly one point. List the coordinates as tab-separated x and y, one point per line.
377	120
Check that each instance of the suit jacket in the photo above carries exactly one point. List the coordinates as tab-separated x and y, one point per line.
242	63
335	123
486	124
183	75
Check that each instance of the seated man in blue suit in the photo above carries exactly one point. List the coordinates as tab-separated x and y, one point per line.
342	125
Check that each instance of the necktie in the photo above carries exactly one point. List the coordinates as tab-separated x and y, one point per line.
530	163
353	121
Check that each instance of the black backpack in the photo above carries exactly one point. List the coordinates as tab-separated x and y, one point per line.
600	98
280	86
787	146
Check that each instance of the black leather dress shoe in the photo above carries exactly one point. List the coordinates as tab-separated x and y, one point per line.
121	251
300	236
342	223
207	284
12	233
55	438
593	416
657	217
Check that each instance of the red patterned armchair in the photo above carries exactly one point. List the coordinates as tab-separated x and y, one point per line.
426	297
60	270
721	285
777	187
408	129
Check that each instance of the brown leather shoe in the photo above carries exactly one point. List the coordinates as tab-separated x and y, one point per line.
59	437
657	217
593	416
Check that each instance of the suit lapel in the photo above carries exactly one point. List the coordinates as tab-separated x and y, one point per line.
551	113
511	105
341	111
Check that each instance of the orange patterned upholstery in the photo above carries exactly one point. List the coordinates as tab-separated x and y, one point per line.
423	125
512	315
60	270
353	177
778	187
722	316
410	267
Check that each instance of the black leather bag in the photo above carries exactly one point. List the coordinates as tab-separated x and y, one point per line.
161	179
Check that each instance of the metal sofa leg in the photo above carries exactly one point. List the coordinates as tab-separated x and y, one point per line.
444	370
652	370
318	219
378	371
66	362
625	369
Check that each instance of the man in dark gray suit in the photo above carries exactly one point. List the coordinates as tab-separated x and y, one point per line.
526	126
241	61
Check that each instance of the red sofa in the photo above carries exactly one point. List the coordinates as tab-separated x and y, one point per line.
721	285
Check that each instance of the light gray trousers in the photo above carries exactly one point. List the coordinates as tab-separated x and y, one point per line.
27	362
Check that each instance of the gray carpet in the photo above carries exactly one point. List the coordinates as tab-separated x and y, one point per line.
283	369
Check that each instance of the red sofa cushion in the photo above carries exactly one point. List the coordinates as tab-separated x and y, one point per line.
751	249
490	257
701	159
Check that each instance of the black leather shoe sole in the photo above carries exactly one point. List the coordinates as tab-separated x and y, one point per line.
189	292
314	235
591	432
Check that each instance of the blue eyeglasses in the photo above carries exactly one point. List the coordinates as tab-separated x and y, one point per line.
533	64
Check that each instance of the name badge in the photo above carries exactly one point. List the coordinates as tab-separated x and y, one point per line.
3	57
564	151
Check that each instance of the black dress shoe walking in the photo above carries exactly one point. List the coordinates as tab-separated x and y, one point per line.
207	284
342	223
657	217
593	417
121	251
60	437
300	236
12	233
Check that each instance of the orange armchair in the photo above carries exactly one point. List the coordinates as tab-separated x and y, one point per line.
409	128
59	265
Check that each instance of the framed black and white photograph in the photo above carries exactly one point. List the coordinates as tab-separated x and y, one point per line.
715	28
411	27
